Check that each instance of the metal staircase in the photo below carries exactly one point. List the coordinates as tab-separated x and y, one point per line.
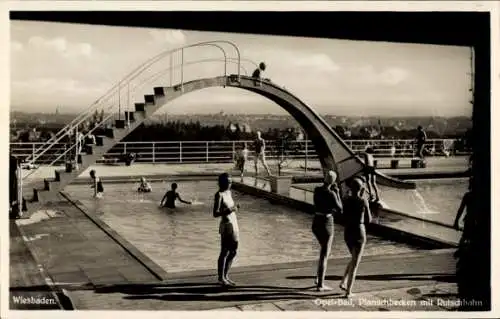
115	126
120	120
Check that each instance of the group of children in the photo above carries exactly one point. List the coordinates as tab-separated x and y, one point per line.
168	199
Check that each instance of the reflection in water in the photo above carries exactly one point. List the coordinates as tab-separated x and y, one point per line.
186	238
420	203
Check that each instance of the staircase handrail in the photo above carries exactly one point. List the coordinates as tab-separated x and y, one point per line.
161	72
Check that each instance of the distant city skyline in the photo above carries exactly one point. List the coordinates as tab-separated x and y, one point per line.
68	66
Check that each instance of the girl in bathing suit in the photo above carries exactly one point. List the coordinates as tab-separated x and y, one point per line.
327	203
356	215
225	208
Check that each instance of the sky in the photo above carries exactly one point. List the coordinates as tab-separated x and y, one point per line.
70	66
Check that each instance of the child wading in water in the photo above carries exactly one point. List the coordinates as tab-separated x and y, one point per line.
171	196
96	184
468	220
356	215
144	187
225	208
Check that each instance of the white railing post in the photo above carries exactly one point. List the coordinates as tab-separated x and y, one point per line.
128	104
234	151
171	68
180	151
19	172
182	70
76	147
307	149
206	158
125	147
33	152
153	152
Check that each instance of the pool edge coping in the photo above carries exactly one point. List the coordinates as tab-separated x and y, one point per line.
152	267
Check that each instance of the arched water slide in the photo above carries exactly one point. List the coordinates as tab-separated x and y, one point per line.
331	149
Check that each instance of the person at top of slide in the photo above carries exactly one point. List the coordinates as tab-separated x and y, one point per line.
96	184
257	74
144	187
260	154
225	208
171	196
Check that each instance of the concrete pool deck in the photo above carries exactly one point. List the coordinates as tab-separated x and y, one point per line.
94	271
436	166
66	254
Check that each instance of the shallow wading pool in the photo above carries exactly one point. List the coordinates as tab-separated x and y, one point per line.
187	238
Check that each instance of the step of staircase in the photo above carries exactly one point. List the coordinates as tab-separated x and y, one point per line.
48	188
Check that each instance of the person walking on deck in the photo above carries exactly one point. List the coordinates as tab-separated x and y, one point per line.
356	215
420	140
225	208
327	203
260	154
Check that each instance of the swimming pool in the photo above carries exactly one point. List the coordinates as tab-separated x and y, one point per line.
434	199
187	238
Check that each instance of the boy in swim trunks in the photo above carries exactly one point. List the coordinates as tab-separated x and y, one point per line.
257	74
171	196
369	175
241	158
260	147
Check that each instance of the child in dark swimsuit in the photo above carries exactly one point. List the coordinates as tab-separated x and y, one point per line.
327	204
257	74
356	215
96	184
171	196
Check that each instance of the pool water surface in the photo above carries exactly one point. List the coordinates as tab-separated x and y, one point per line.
186	238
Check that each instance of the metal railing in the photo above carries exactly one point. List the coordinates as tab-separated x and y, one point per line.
111	102
223	151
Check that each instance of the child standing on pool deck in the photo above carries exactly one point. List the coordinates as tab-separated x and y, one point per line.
225	208
370	174
241	158
96	184
356	215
